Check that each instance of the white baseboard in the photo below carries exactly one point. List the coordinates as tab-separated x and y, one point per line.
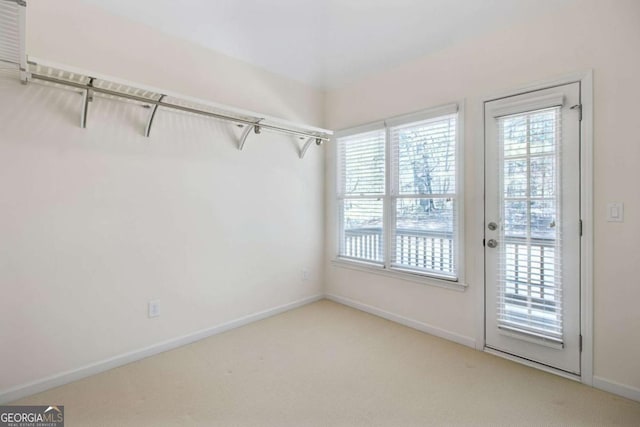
415	324
57	380
629	392
63	378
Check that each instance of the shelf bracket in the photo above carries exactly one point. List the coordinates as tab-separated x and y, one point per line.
87	97
154	109
305	147
243	138
307	144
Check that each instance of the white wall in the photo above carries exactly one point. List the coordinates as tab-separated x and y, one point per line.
97	221
75	33
604	36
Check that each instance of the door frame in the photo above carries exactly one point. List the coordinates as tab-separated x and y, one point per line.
585	78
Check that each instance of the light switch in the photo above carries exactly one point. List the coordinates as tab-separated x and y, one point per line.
615	212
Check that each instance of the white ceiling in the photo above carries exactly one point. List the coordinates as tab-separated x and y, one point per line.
328	43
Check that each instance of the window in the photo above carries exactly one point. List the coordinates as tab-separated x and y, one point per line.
398	193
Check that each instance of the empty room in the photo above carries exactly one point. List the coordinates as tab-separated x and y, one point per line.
319	213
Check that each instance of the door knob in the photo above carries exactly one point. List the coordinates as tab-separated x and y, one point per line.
492	243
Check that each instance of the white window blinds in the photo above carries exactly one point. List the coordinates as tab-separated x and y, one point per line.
361	190
397	195
530	288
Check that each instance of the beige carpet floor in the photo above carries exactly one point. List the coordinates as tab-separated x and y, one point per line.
329	365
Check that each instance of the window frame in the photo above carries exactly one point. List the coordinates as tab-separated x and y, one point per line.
386	269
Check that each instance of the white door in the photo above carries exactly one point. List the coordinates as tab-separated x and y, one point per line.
532	226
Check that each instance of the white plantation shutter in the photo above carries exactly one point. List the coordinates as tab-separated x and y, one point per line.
361	191
424	196
530	288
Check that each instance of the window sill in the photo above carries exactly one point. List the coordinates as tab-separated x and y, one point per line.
398	274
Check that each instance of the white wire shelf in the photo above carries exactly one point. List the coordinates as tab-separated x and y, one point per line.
91	84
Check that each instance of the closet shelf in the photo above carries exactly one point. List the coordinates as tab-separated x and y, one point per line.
90	84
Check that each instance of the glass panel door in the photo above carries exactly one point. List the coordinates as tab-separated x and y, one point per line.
532	214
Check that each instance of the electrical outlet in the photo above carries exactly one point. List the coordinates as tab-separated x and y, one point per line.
154	308
305	274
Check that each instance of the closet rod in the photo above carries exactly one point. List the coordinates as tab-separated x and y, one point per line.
177	107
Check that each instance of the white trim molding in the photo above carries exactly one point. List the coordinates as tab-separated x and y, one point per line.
412	323
398	274
623	390
586	210
23	390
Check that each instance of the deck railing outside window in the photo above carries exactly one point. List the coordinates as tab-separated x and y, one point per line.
422	250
